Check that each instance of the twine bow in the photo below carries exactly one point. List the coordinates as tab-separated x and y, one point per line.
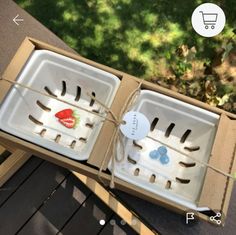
117	136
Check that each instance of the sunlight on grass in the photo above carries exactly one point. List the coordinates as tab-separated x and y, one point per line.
133	36
25	4
129	35
148	39
70	16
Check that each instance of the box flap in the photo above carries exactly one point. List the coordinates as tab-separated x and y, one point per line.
15	66
222	157
230	182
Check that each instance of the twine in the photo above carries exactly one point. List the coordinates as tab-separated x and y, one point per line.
194	159
117	136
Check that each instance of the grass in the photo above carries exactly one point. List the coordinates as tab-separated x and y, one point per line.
138	37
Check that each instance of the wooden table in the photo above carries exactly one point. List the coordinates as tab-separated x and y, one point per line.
26	203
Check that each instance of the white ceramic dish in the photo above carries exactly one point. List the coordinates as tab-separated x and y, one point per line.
67	79
177	125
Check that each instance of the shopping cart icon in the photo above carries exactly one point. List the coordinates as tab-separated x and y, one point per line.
209	19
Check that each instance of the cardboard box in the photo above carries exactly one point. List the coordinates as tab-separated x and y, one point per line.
217	188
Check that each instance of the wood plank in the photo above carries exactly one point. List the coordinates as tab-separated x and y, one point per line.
116	227
58	209
86	220
27	199
2	149
20	176
115	205
12	164
8	147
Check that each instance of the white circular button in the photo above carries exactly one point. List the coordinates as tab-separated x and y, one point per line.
208	20
102	222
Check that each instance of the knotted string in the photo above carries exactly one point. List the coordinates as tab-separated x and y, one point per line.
117	136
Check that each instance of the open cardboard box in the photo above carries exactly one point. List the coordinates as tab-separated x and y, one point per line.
217	188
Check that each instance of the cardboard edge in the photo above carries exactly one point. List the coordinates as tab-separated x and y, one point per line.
17	63
230	182
39	45
215	184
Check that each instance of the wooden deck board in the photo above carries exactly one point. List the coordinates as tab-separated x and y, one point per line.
115	226
11	164
27	199
86	220
52	216
20	176
46	199
165	221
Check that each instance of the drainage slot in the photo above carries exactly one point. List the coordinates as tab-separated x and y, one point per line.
84	140
185	136
35	121
73	143
168	184
137	145
152	178
169	129
136	172
92	100
49	91
78	93
192	149
182	181
42	106
42	132
132	161
57	139
154	123
89	125
184	164
63	91
95	110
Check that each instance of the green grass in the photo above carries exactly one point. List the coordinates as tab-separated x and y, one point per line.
140	37
126	34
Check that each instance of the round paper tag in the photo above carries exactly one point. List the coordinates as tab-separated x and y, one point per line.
136	127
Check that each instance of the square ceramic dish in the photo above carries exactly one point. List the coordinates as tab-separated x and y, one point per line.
159	163
31	116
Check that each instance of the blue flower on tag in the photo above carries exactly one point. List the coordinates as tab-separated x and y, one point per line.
161	154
